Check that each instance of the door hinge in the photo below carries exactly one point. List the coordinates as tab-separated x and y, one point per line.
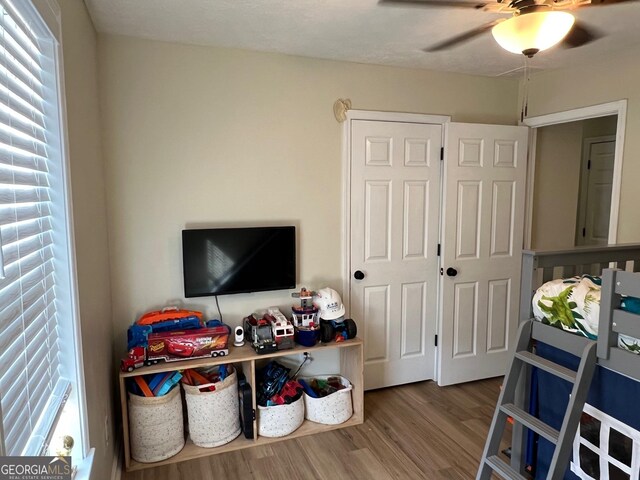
584	232
436	341
438	249
441	153
589	165
442	271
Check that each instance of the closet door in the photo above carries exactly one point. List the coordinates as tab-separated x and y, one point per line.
483	221
395	205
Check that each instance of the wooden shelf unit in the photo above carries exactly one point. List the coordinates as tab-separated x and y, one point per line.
351	367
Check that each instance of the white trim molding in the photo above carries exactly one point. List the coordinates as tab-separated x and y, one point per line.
618	108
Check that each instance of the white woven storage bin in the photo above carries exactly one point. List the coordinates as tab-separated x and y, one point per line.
280	420
333	409
156	428
213	416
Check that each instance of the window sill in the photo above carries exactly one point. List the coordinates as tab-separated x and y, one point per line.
83	471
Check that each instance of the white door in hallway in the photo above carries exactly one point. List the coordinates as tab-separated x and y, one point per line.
395	205
595	194
483	220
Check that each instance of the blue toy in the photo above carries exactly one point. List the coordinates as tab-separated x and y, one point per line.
137	334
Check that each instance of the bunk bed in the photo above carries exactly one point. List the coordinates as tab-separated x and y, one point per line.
605	446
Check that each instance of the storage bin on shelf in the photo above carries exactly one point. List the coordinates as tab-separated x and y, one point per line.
213	415
156	428
333	409
280	420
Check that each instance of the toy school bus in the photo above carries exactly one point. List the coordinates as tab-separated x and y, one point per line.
178	345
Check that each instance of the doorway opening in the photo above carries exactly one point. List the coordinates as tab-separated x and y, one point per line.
575	167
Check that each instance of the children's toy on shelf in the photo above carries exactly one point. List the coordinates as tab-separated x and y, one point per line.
305	318
205	378
246	406
282	328
327	399
138	333
172	334
271	379
167	313
258	332
279	399
333	325
178	345
154	385
211	395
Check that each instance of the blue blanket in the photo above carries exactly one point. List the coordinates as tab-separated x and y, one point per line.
610	392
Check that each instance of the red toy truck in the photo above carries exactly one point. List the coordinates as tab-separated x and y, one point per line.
178	345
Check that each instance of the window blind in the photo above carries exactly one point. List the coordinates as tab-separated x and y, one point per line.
31	386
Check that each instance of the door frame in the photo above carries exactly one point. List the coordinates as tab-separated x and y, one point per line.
586	153
618	108
379	116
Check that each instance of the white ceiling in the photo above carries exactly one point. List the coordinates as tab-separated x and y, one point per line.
354	30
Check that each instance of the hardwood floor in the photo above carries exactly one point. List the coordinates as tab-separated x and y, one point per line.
416	431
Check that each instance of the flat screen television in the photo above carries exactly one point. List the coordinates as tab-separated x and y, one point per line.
220	261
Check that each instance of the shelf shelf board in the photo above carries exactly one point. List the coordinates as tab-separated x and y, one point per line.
191	451
236	355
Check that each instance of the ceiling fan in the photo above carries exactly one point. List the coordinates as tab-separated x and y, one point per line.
535	25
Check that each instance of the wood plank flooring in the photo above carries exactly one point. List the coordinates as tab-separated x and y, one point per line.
416	431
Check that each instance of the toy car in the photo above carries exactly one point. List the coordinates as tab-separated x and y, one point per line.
290	392
259	334
181	348
272	378
282	328
340	329
178	345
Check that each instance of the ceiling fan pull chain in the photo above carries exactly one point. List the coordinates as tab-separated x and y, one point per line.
525	91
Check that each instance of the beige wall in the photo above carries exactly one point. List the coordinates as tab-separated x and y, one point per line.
89	212
557	179
558	154
208	136
599	82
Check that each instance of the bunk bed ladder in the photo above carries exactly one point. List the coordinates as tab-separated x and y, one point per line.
506	407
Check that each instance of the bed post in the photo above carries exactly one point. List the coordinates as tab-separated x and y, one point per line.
522	393
607	338
526	284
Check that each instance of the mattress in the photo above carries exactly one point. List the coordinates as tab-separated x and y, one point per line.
573	304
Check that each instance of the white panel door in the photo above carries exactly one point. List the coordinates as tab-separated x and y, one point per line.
483	212
395	204
599	181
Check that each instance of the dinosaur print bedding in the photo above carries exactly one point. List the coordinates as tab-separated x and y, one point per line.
573	304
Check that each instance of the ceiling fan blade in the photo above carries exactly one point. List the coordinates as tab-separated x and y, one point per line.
579	35
463	37
475	5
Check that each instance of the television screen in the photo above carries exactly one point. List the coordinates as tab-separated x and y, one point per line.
220	261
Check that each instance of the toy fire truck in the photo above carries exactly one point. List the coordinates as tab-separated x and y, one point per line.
282	328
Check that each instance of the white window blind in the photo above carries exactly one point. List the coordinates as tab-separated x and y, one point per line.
32	384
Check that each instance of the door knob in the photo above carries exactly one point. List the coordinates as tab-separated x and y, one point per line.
358	275
452	272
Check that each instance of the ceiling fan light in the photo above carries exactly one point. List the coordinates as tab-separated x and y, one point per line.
533	32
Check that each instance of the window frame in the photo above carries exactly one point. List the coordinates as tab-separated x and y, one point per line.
45	17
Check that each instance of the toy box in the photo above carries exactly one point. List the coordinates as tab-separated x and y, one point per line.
280	420
213	415
333	409
156	426
178	345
